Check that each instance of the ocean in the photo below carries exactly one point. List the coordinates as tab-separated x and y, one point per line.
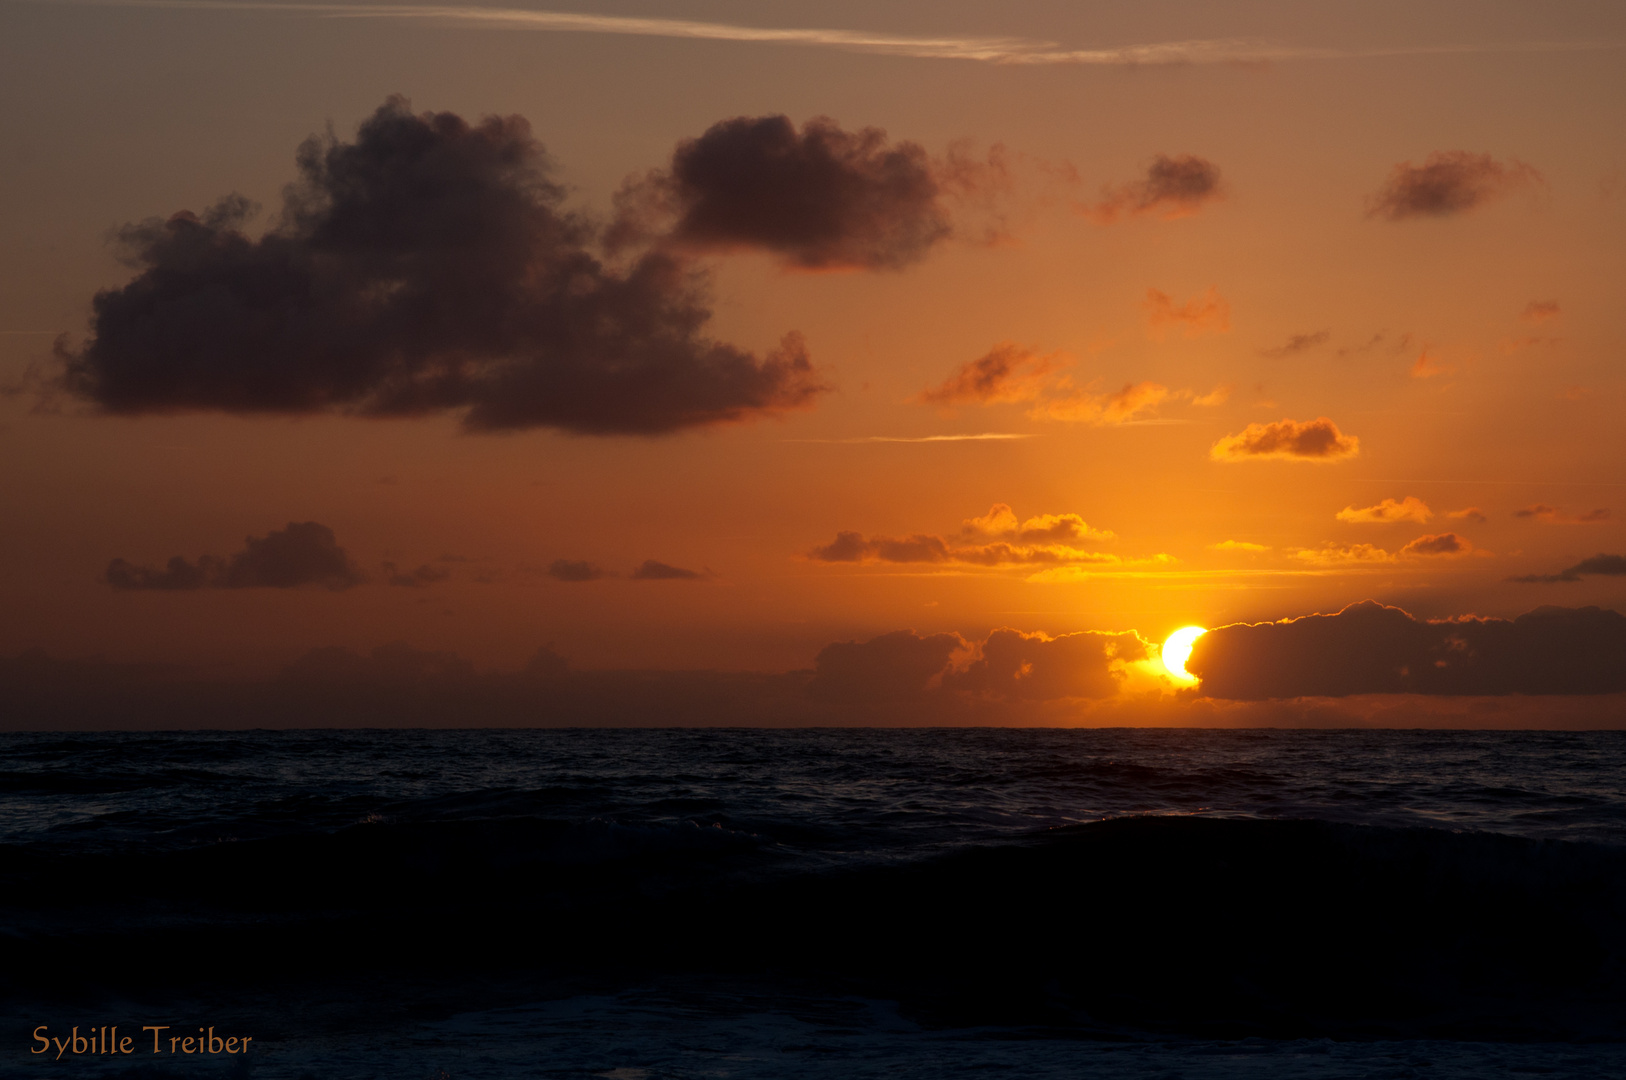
649	904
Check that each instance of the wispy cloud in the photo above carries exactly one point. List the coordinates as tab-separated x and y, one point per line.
986	436
997	50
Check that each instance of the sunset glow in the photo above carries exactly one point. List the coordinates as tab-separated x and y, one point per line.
1177	647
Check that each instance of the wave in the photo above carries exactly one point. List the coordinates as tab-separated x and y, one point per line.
1194	925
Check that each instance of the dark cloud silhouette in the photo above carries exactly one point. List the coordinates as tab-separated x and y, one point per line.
1007	372
1037	667
1297	343
1369	648
415	579
1555	515
1174	187
1309	440
1448	182
574	570
893	667
997	538
650	570
822	198
304	553
426	266
1602	565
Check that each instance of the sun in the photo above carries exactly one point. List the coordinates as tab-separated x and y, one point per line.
1177	647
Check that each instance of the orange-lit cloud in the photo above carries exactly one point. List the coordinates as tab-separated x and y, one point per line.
1174	187
1288	440
1238	545
1297	343
997	538
1442	544
1554	515
304	553
1343	555
1428	364
1539	311
426	266
1408	509
1021	666
1006	373
1135	401
1448	182
1469	513
1204	314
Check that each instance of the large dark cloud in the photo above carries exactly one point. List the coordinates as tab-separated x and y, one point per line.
1037	667
426	266
1603	565
1369	648
893	667
305	553
1448	182
823	198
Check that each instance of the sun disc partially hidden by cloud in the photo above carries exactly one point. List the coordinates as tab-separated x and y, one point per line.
1177	647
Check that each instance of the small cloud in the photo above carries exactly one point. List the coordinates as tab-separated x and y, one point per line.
1237	545
1204	314
574	570
304	553
1134	402
997	538
415	579
1441	544
1540	311
1602	565
1297	343
1343	554
1447	183
1174	187
1217	396
650	570
1554	515
1469	513
1290	440
1408	509
1428	364
1007	372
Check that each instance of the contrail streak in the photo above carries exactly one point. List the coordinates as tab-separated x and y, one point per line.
995	50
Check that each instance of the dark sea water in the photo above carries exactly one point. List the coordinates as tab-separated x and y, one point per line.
643	904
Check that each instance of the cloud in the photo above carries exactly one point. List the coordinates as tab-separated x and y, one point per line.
1448	182
304	553
822	199
574	570
1288	440
1297	343
1237	545
1554	515
1539	311
1134	402
1408	509
1369	648
1602	565
1006	373
650	570
415	579
424	267
890	668
1428	364
997	538
1469	513
1343	555
1437	545
1037	667
1204	314
1174	187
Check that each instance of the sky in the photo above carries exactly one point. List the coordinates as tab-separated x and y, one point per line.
943	357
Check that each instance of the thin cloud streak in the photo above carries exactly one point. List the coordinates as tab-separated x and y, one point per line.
987	436
996	50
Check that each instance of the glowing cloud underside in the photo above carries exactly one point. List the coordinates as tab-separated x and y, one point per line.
1178	647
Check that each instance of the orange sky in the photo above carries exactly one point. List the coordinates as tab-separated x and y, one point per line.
1459	328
